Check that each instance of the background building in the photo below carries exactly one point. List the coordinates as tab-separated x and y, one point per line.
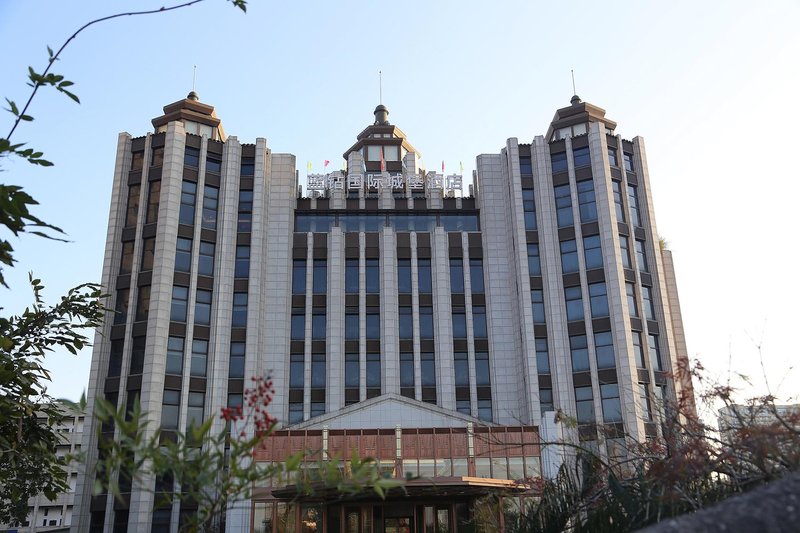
386	300
57	515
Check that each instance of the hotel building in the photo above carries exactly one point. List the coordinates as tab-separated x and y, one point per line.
434	326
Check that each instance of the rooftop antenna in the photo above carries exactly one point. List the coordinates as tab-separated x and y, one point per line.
380	87
573	81
194	76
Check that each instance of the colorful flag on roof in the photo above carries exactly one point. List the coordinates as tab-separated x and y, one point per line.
325	164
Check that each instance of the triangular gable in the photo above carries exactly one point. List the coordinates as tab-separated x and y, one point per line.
388	411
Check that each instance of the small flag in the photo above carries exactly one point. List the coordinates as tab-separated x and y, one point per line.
308	166
442	166
325	164
383	161
461	165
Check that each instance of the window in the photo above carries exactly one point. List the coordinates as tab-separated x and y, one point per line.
298	327
170	409
205	264
318	324
628	161
174	356
559	162
574	303
647	300
428	369
121	306
644	403
461	366
612	157
616	187
569	256
373	323
598	300
180	301
546	400
296	371
143	303
457	276
374	371
352	374
529	209
199	358
191	157
115	359
213	163
320	276
239	315
592	252
638	349
194	411
484	411
318	371
372	278
633	203
641	257
424	275
625	252
404	276
137	355
459	323
479	329
580	157
248	167
351	323
183	255
351	276
157	157
202	308
406	323
633	308
299	276
126	263
236	361
609	395
152	202
476	276
586	201
137	160
534	265
407	374
579	351
525	165
537	304
655	353
542	357
188	200
295	412
148	253
133	205
426	322
245	222
563	206
584	405
210	204
604	350
482	378
242	266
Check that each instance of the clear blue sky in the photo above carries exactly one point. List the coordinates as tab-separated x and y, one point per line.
711	86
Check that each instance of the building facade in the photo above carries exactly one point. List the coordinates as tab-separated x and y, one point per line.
386	300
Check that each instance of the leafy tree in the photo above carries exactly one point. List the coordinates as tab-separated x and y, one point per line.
28	465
